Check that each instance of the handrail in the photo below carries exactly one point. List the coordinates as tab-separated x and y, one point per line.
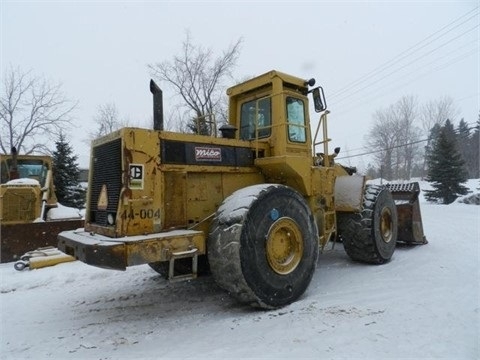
322	123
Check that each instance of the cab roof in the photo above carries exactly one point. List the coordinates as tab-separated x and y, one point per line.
265	79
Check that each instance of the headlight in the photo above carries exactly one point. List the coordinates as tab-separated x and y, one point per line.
110	219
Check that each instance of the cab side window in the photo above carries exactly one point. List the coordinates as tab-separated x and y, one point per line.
255	119
296	120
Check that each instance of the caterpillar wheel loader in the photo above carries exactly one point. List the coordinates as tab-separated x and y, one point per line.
26	196
253	206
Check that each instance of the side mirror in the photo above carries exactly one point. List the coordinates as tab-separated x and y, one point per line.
319	99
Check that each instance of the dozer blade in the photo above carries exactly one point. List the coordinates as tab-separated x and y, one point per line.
17	239
410	227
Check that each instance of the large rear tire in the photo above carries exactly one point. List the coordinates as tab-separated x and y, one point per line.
371	235
263	245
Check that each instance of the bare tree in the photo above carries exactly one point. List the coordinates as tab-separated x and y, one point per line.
436	112
393	138
406	114
198	78
32	112
108	120
381	140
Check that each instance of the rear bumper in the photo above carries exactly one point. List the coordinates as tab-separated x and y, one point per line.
119	253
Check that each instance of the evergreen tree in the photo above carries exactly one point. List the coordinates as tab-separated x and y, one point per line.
465	146
475	146
66	171
446	170
449	131
463	129
432	139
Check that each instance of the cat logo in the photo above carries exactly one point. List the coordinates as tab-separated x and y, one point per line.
136	176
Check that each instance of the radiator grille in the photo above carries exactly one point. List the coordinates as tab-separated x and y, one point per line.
107	169
19	204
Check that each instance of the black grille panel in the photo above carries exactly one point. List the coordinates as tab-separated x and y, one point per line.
107	170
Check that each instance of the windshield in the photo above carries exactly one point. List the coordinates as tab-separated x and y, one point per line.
296	120
29	168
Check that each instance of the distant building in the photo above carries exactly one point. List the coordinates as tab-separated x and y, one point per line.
83	176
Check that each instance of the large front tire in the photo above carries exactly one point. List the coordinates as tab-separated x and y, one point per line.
263	245
371	235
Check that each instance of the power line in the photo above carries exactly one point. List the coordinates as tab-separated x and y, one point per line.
384	149
374	93
471	127
406	65
401	55
405	53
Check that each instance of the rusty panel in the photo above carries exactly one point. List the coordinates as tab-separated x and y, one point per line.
175	200
232	182
162	247
17	239
204	196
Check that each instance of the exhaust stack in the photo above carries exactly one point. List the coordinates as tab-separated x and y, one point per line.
14	167
157	106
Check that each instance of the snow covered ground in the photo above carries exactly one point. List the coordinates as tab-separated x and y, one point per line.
423	304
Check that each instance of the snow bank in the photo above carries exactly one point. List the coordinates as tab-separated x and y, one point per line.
63	212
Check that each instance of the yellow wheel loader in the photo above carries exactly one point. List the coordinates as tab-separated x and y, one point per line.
26	196
253	205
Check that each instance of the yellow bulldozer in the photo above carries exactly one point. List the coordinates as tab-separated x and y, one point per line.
253	202
27	195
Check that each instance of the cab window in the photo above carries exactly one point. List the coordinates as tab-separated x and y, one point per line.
255	119
30	169
296	120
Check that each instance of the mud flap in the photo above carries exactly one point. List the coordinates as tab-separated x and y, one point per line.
410	227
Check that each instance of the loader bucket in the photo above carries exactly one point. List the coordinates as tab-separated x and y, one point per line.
410	227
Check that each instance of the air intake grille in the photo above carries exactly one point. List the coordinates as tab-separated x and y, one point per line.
107	170
19	204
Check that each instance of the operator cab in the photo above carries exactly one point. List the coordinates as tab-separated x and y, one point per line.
273	108
23	168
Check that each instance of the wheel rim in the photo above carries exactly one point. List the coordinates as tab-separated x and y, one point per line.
386	224
284	246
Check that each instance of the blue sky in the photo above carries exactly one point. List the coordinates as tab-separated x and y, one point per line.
366	55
